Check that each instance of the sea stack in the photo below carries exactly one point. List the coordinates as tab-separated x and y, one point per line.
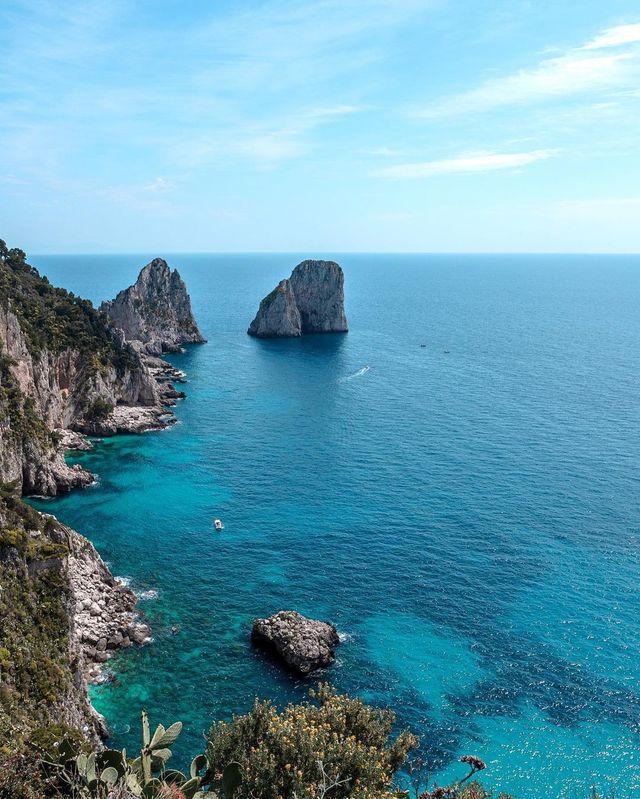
155	311
303	644
310	301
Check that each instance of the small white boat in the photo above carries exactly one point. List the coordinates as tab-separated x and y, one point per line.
218	524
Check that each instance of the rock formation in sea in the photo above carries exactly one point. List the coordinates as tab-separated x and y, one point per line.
310	301
64	366
303	644
155	311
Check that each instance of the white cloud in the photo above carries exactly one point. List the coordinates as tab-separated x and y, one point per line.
582	70
465	164
614	37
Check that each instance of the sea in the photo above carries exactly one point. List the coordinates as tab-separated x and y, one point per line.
455	483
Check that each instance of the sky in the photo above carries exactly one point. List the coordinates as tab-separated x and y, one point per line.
320	126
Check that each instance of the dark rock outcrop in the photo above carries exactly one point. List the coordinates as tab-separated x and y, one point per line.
310	301
155	311
303	644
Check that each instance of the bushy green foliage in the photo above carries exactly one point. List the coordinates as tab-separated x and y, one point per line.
23	422
22	777
55	319
101	775
35	672
98	410
335	741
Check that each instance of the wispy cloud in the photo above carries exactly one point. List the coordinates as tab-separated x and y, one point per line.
465	164
616	36
609	61
242	92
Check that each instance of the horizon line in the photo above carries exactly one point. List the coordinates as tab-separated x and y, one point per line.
344	252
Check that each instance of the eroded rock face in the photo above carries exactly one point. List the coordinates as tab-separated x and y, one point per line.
278	314
310	301
303	644
103	609
156	310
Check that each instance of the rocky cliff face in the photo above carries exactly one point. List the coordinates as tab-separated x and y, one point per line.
103	609
64	366
47	390
62	614
310	301
155	311
278	312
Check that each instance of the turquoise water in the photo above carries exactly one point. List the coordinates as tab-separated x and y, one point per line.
469	519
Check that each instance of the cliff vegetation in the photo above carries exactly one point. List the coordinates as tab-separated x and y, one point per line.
39	684
55	319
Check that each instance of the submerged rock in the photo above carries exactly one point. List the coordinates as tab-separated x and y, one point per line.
303	644
155	311
310	301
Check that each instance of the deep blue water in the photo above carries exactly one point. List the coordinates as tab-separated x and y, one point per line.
468	513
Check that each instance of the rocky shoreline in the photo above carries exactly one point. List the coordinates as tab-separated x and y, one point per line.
93	373
105	618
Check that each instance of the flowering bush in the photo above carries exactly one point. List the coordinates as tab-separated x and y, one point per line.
335	746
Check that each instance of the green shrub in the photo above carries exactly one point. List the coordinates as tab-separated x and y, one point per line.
336	741
98	410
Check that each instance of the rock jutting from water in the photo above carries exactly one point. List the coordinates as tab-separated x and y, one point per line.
303	644
310	301
155	311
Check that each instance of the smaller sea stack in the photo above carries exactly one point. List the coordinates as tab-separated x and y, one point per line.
303	644
310	301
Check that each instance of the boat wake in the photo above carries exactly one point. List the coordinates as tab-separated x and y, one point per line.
359	373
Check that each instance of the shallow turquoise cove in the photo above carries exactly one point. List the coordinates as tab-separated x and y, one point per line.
469	519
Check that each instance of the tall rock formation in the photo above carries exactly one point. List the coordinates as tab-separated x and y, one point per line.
310	301
64	366
155	311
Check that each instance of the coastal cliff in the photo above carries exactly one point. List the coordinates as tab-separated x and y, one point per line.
155	311
65	371
64	366
58	602
310	301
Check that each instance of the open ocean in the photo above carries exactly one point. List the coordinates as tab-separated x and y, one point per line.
468	513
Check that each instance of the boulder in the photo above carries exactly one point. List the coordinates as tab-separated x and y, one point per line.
310	301
303	644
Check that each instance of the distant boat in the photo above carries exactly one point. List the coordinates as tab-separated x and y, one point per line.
218	524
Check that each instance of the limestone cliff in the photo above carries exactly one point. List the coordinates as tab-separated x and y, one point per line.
310	301
155	311
278	312
62	614
61	366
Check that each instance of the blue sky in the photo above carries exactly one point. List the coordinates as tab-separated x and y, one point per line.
320	125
